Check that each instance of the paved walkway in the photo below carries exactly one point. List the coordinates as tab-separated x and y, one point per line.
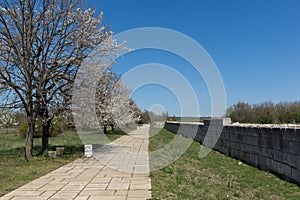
119	170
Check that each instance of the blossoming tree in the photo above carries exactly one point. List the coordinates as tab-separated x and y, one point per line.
7	119
42	46
113	104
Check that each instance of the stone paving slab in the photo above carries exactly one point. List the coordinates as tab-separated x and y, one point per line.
119	170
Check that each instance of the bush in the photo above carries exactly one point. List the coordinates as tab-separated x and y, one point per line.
58	126
265	113
23	129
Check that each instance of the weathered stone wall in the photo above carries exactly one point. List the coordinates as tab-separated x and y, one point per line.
273	149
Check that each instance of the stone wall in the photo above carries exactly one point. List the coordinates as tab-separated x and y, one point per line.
273	149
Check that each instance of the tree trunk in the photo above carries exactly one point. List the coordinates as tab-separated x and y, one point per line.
113	128
45	136
29	137
105	129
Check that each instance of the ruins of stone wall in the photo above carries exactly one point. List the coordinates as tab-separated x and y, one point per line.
273	149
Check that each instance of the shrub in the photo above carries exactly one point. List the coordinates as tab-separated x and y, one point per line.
265	113
58	126
23	129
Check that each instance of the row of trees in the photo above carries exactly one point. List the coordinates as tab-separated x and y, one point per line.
151	117
265	113
42	46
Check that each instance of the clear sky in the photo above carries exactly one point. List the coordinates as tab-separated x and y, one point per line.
255	45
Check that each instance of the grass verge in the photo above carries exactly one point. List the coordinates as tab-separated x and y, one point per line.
15	171
214	177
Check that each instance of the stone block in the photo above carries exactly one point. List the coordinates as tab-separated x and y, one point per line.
253	159
253	149
52	154
259	140
232	136
280	168
287	171
297	159
88	150
222	150
297	134
277	143
295	147
226	121
265	132
234	153
286	134
60	150
225	135
217	148
290	159
218	143
262	162
268	143
278	155
277	133
253	140
286	146
269	164
240	137
243	156
290	135
239	146
255	131
265	152
231	144
244	147
225	144
273	166
296	175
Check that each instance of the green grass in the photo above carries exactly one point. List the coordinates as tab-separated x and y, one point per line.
214	177
15	171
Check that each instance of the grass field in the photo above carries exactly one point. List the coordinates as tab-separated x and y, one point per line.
15	171
214	177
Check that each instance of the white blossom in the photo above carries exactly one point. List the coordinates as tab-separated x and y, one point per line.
7	118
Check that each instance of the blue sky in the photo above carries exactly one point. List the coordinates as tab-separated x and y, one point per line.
255	45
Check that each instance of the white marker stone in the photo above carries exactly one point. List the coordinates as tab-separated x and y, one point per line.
88	150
